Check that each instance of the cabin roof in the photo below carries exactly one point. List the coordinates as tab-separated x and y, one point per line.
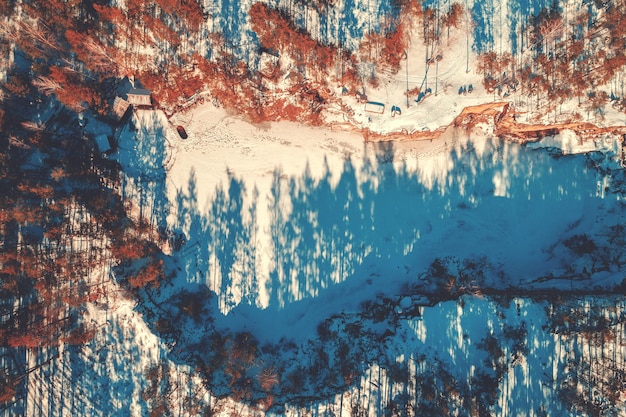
139	92
103	143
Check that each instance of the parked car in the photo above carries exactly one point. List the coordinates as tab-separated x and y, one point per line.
181	132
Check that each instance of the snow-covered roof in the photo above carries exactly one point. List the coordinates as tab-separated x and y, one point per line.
375	107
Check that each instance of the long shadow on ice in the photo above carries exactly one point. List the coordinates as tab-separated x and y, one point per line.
349	259
482	204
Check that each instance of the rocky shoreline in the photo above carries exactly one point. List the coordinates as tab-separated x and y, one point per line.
502	119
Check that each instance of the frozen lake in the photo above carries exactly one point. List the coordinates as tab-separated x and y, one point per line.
342	258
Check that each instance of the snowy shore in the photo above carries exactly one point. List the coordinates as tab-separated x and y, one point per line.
461	213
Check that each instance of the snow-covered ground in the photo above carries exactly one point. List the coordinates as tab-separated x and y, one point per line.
221	147
463	196
439	107
378	215
388	209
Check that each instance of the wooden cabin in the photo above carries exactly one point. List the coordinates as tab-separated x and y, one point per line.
140	97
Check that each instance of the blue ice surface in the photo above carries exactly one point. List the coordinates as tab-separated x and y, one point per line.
384	209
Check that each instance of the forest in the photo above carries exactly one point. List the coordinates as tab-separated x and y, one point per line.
66	222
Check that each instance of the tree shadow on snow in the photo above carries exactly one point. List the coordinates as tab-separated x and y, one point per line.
342	252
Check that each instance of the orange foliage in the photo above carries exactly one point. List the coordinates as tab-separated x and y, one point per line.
162	31
79	336
111	14
129	249
266	403
415	91
17	86
493	64
7	392
74	92
27	340
6	8
149	274
190	12
350	77
26	214
394	46
453	17
9	271
277	32
42	191
91	52
154	82
75	40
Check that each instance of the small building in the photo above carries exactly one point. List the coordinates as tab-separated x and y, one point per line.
103	143
139	97
120	106
374	107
